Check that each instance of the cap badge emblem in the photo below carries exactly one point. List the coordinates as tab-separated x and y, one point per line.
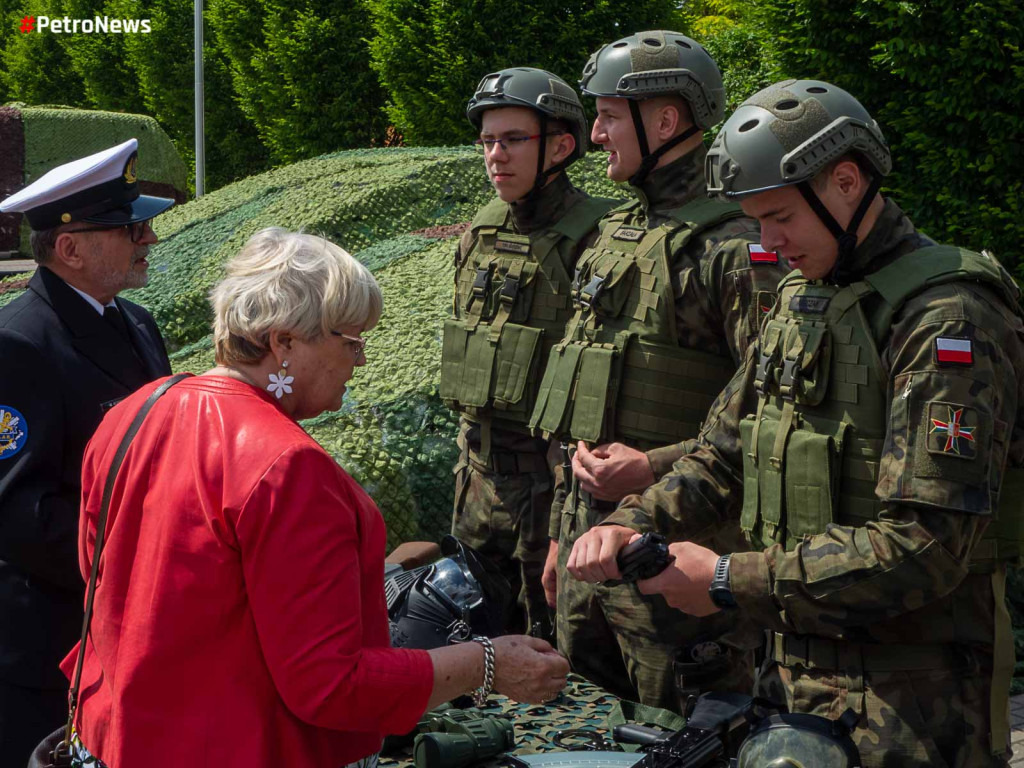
129	170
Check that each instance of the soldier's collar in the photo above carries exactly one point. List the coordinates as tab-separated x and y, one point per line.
892	235
542	208
674	184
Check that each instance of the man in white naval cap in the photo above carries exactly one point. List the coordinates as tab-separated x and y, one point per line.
69	349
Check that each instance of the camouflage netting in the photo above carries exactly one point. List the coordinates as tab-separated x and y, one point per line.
34	140
400	211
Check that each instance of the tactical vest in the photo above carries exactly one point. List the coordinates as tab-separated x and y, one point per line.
812	451
514	293
620	373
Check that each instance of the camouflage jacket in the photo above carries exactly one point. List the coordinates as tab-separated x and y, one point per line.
905	575
528	217
721	294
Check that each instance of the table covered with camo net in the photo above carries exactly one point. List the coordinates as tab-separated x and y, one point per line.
580	705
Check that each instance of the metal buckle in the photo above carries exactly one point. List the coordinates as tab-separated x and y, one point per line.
459	631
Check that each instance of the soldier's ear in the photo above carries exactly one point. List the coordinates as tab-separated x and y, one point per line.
565	145
848	179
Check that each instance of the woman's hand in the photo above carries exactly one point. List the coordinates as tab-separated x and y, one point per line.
528	669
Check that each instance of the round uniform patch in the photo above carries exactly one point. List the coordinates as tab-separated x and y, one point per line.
13	432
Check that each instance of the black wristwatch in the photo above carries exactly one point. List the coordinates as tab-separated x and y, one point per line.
720	591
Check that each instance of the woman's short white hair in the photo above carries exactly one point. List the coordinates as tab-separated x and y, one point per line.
288	281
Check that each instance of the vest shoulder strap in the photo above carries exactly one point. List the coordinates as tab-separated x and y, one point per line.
582	217
935	265
494	214
702	214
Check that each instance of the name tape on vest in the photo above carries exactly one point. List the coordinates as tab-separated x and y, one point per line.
758	255
510	247
629	233
952	350
809	305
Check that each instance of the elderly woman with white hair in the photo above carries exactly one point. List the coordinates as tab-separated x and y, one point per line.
239	615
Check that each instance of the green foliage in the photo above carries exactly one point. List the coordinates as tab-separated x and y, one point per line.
10	19
101	60
945	80
431	54
151	74
302	73
746	55
35	68
164	64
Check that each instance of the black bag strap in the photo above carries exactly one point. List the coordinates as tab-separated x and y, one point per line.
101	531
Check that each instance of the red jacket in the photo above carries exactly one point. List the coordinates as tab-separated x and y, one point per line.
240	616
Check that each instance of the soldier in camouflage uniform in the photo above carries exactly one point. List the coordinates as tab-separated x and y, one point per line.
667	302
512	279
871	447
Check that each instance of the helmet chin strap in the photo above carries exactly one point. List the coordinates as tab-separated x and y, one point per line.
847	238
650	159
542	175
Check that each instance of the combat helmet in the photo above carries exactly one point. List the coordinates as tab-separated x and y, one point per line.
785	134
547	94
657	63
449	601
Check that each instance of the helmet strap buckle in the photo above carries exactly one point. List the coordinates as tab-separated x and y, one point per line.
846	238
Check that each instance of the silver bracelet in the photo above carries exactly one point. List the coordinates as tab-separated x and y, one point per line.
481	693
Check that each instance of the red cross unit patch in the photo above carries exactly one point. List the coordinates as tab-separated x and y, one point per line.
952	430
758	255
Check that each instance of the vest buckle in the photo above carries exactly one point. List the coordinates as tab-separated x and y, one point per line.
482	281
787	382
761	375
509	290
592	291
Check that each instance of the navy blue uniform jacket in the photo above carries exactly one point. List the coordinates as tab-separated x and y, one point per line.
61	363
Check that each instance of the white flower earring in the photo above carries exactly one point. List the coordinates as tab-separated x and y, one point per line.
280	382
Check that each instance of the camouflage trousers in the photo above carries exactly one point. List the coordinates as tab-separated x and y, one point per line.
505	518
638	647
908	718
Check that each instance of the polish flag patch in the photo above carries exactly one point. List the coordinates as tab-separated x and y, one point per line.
758	255
950	350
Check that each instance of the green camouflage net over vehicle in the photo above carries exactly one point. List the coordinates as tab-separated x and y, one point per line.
34	140
400	212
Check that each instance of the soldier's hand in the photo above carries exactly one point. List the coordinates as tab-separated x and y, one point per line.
593	555
528	668
550	578
611	471
684	584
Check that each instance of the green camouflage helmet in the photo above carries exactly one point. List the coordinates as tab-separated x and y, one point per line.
658	63
537	89
786	133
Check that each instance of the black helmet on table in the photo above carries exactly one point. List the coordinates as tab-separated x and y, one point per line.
657	63
785	134
800	741
545	93
449	601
